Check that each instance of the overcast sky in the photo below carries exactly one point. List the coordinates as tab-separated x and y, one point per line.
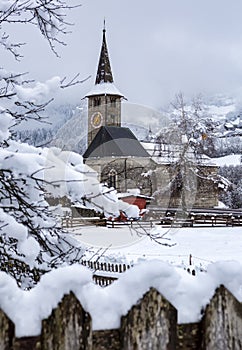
157	48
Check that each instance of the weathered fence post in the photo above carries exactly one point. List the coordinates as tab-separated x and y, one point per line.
222	322
150	324
6	332
68	327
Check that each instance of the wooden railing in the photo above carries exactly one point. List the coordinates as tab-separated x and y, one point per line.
131	223
103	281
75	222
105	273
171	217
107	267
194	219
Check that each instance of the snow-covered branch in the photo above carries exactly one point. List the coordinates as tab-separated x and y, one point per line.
48	16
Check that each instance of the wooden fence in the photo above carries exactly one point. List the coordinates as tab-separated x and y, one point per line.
75	222
191	220
150	324
200	220
132	223
108	267
196	216
105	273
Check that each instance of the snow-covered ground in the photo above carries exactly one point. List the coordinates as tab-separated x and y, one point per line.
206	244
232	159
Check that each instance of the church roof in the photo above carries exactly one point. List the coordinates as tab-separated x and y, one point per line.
112	141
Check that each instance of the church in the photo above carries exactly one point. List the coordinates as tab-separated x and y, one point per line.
131	166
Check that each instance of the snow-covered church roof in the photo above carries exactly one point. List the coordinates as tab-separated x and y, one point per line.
104	89
171	153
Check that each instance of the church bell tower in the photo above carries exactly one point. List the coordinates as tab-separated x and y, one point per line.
104	100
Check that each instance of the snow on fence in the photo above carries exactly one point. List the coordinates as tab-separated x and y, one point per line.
150	324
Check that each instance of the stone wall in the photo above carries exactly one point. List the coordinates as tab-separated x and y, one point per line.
150	324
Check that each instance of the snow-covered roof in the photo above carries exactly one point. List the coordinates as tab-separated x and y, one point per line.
104	89
130	194
232	159
166	154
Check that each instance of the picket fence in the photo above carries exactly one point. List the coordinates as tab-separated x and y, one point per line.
150	324
108	267
105	273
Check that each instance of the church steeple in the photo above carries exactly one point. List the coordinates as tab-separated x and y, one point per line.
104	72
104	100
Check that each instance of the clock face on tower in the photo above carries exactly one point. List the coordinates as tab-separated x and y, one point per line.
96	119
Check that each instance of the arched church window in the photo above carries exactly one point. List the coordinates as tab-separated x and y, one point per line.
112	178
97	101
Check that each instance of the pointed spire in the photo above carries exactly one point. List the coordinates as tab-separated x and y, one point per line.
104	72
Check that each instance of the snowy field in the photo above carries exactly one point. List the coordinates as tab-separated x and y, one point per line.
206	244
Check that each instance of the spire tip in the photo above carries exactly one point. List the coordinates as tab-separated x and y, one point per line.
104	24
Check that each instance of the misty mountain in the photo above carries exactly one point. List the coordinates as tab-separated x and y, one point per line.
65	125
